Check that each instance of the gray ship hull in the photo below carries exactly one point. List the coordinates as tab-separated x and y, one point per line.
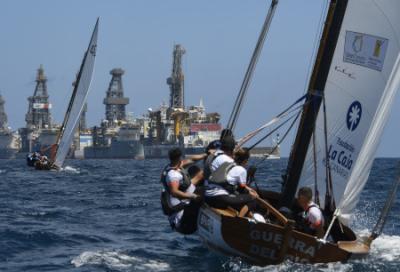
157	151
117	150
161	151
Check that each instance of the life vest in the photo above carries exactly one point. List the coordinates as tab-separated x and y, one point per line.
207	164
304	224
167	207
220	177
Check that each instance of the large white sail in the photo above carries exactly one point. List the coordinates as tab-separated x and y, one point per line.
368	46
77	101
359	176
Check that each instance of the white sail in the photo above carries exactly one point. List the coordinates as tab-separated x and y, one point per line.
368	46
359	176
77	101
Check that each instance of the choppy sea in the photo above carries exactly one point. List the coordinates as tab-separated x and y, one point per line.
99	215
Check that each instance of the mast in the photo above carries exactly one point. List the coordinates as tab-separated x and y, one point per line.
250	69
71	102
330	35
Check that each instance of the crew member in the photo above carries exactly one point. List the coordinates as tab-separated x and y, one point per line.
312	217
32	158
227	183
180	199
216	144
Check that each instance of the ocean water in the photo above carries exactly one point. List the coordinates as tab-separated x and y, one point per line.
99	215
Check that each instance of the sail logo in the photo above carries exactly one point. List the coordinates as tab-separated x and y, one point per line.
357	43
365	50
378	47
354	115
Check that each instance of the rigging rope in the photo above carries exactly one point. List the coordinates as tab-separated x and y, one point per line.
284	113
329	198
272	131
316	40
316	191
282	139
274	149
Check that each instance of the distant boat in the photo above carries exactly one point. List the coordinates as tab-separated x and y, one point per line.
355	78
78	98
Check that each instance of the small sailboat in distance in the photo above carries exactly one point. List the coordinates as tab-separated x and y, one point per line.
355	77
79	95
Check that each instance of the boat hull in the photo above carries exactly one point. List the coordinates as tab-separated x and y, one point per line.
261	243
117	150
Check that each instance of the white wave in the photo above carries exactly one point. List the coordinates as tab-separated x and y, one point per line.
386	247
70	169
2	171
118	260
295	267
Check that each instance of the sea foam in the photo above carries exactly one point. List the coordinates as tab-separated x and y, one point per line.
118	260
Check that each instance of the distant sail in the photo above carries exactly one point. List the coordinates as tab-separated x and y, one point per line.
77	101
363	61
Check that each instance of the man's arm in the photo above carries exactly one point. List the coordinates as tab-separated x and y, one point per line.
243	183
315	217
194	158
174	190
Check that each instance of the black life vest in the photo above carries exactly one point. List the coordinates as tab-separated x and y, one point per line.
167	207
220	177
207	164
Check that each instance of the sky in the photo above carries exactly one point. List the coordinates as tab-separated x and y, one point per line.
138	36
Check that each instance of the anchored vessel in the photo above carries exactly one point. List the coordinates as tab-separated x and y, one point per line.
118	137
9	142
60	150
355	77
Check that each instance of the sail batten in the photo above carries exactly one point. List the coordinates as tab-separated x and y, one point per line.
77	101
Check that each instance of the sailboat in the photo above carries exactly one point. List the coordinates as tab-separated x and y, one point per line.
79	95
355	77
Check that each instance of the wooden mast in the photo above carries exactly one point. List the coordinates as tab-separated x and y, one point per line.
330	35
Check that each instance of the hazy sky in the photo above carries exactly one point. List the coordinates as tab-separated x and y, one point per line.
138	36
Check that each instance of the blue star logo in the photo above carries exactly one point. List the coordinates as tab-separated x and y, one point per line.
354	115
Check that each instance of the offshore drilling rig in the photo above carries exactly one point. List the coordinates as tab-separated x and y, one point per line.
117	136
39	133
174	125
38	115
115	101
176	80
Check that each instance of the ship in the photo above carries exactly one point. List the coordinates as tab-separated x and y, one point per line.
119	134
190	128
122	142
9	141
